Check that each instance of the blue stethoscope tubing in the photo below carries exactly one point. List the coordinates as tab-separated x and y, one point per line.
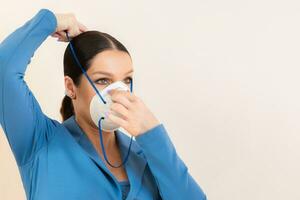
102	99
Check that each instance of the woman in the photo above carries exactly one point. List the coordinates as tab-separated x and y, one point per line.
64	160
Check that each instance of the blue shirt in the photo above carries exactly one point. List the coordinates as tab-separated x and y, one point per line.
56	160
125	186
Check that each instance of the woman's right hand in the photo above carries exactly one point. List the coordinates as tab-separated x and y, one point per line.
67	22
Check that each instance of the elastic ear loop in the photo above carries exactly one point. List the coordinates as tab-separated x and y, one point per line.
102	118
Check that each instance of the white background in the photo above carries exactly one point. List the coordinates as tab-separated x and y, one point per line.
223	77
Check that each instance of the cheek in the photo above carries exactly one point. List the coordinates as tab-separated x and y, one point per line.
86	92
88	96
84	98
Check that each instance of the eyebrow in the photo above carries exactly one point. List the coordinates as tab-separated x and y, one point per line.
109	74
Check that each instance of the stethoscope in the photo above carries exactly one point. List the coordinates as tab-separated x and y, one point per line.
102	99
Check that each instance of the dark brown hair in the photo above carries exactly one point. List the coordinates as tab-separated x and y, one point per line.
86	45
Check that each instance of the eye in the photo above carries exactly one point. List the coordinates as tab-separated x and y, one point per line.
128	80
106	81
103	81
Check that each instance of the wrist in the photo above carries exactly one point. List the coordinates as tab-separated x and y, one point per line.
149	126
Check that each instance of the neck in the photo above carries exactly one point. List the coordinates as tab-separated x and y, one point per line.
92	131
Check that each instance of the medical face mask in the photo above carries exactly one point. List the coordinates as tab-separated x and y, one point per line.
100	104
98	109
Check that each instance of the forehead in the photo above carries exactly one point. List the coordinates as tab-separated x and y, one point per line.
111	61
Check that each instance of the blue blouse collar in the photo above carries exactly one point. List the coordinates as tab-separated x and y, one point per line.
135	164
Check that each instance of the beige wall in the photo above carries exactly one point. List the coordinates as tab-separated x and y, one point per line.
223	76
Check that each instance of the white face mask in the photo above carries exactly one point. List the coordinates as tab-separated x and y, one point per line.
98	109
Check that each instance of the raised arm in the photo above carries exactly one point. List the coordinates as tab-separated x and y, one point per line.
26	127
171	174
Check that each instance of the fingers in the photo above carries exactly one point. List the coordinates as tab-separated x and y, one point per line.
122	97
72	32
62	36
122	100
68	22
120	109
55	35
115	93
82	27
117	120
76	29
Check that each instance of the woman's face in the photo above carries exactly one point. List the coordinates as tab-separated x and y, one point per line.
106	67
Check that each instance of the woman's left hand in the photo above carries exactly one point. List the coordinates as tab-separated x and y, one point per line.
130	112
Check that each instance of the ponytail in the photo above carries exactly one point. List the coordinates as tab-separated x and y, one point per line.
67	109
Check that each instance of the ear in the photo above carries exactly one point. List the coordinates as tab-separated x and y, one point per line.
70	88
